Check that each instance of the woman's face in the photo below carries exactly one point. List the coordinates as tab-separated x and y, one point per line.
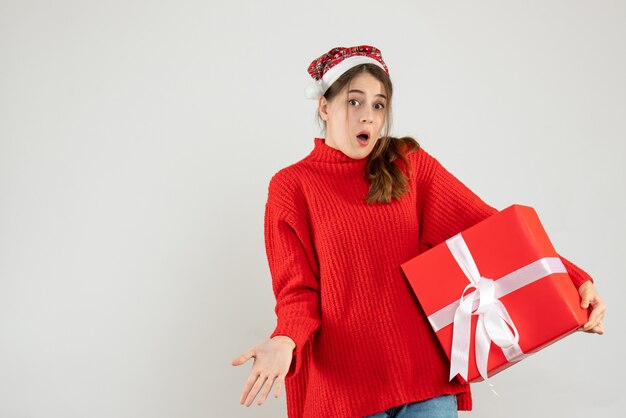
355	116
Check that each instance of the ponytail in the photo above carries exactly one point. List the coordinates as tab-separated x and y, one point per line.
388	179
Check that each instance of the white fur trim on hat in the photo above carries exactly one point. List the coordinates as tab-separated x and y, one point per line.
316	89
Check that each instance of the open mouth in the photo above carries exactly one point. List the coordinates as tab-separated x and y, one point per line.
363	137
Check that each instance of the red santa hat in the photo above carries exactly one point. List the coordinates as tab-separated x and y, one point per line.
326	69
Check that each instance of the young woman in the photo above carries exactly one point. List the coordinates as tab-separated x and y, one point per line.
351	339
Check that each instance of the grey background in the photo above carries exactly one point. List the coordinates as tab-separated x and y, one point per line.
137	139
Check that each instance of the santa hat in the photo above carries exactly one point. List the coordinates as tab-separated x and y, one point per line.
326	69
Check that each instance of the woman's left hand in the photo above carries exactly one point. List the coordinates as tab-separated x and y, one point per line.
589	297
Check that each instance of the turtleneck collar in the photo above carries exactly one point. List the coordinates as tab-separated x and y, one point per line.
325	153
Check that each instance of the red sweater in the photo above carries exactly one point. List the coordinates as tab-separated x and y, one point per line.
363	344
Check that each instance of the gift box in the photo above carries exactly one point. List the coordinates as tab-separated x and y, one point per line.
495	293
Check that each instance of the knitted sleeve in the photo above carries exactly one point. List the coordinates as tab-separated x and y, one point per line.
451	207
293	268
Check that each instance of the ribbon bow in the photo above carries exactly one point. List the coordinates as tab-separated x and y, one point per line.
494	323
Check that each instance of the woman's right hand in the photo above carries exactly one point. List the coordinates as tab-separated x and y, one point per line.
272	359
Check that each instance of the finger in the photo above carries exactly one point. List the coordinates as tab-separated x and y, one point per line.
599	329
280	381
585	300
597	315
599	307
590	325
249	384
592	322
267	387
255	389
243	358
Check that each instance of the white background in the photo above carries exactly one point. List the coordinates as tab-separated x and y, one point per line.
137	140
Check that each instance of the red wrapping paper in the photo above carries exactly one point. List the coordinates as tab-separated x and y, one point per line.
543	311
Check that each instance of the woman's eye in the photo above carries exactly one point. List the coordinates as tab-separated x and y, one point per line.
353	102
379	106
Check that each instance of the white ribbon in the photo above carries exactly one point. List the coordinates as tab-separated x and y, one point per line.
494	323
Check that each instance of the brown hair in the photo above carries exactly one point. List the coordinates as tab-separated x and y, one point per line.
387	179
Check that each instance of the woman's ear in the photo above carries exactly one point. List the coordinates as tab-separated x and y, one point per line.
322	106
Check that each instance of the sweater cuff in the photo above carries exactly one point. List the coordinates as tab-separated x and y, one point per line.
576	274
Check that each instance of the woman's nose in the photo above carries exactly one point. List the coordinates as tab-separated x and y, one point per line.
366	116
